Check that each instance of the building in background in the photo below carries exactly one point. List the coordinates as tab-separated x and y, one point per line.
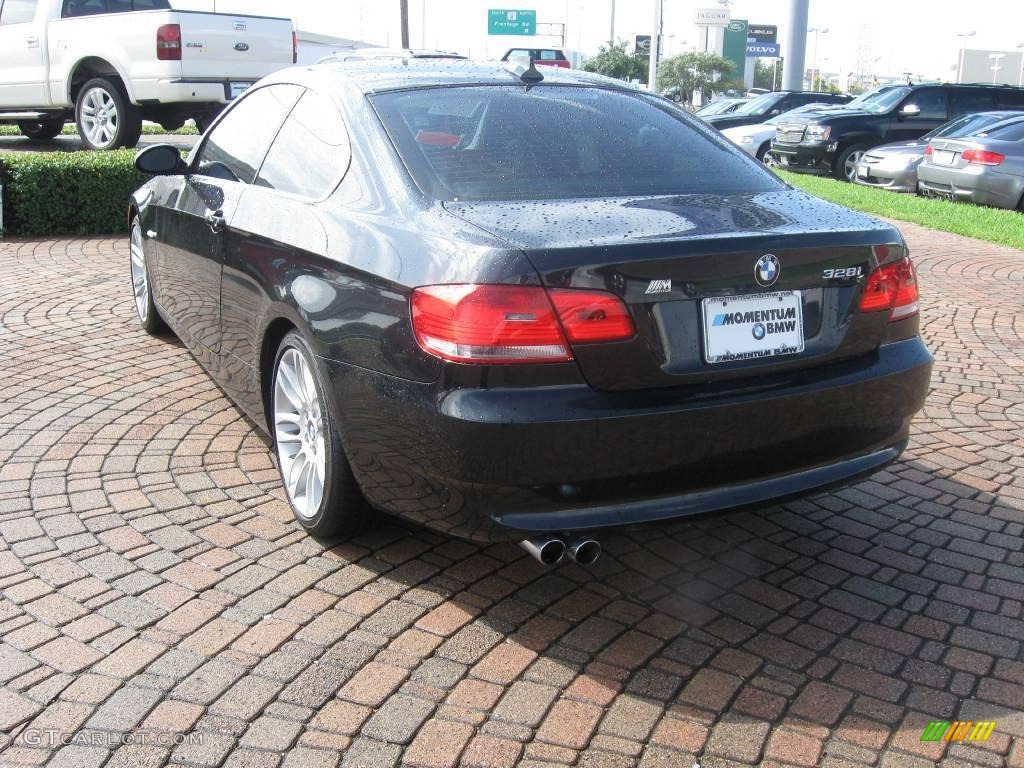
976	66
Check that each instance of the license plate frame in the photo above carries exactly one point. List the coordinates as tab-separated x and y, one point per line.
730	332
236	89
944	157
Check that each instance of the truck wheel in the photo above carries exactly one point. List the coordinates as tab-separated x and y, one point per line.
105	117
845	168
41	129
764	154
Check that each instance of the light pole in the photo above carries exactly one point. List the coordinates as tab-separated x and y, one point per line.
814	66
611	29
963	47
652	74
1020	77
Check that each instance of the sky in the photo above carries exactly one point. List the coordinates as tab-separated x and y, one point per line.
889	37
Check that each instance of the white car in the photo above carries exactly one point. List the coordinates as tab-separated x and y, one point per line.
756	140
110	64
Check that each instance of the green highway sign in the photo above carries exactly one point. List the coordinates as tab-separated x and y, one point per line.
505	22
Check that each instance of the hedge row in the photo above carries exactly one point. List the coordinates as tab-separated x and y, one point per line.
188	129
67	193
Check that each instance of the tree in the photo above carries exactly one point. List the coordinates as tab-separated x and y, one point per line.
694	71
615	61
763	74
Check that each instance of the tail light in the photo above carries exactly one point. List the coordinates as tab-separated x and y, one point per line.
982	157
295	47
928	150
893	288
168	42
513	323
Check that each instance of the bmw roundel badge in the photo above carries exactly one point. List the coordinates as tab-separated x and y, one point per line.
767	270
758	331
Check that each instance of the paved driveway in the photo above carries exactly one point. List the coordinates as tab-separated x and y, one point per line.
153	580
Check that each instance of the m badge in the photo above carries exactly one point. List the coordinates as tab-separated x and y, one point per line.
659	286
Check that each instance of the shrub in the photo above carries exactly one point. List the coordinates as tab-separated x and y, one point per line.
68	193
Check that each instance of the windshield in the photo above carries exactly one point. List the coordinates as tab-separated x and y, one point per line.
716	107
761	104
884	100
497	143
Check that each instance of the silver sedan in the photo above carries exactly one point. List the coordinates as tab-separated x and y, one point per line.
987	171
894	166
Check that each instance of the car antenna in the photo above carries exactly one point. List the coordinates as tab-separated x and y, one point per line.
532	74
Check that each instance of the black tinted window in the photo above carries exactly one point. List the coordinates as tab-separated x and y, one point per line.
18	11
311	150
1010	99
236	147
931	102
510	143
74	8
963	101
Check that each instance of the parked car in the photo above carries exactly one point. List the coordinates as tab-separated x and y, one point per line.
720	106
362	54
547	57
768	105
986	170
436	315
834	144
894	166
110	64
756	140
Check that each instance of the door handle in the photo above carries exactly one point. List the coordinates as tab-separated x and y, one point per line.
216	221
32	41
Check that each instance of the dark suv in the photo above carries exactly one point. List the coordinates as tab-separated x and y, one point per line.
771	104
833	142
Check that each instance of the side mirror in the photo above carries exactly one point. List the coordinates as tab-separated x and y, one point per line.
910	110
160	160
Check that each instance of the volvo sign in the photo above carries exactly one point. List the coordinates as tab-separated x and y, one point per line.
763	50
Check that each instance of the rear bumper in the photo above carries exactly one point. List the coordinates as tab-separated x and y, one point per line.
804	158
894	177
195	91
976	184
499	464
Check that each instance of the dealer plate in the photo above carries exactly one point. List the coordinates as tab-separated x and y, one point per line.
753	326
237	89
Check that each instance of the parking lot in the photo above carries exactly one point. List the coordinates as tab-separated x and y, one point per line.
153	578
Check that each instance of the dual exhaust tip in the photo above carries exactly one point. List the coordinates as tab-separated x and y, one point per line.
548	550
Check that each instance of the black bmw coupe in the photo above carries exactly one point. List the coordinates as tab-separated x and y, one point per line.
514	305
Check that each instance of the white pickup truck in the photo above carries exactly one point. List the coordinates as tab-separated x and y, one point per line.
110	64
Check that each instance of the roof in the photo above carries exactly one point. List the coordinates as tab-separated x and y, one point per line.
379	75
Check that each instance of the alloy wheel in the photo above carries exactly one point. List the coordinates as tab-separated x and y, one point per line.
140	279
850	166
299	433
99	117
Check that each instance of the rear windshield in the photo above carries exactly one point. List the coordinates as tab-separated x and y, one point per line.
557	142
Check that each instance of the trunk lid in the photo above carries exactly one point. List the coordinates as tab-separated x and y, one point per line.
242	48
680	263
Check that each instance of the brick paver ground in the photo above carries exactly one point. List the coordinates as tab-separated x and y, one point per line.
152	579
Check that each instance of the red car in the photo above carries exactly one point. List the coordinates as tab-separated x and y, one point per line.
548	57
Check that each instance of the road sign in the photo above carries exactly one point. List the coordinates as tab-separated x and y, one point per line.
763	33
505	22
763	50
712	17
642	45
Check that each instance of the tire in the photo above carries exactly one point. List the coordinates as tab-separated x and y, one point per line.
307	429
41	129
765	156
845	168
142	286
204	120
104	116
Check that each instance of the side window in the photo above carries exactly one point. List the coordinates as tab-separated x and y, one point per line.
310	152
931	102
518	52
236	147
74	8
18	12
548	55
964	101
1010	99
